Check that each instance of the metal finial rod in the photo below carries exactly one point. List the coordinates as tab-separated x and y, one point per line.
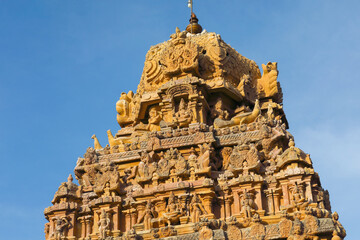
190	5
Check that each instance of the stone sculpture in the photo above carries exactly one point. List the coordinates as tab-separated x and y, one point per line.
183	116
103	224
196	208
148	215
61	225
173	210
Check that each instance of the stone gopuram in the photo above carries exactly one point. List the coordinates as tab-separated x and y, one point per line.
203	153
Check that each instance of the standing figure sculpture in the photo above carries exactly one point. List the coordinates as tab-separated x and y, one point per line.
196	209
148	215
103	224
60	226
247	205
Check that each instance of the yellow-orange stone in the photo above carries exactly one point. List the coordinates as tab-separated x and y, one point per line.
203	153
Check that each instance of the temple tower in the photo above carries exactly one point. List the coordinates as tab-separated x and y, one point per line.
203	152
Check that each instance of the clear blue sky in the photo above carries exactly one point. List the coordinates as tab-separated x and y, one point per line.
64	63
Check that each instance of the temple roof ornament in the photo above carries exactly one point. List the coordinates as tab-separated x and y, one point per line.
194	27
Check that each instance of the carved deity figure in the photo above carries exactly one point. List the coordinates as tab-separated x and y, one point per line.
298	198
267	84
107	180
270	113
173	210
107	192
125	107
145	169
226	153
204	158
103	224
61	225
172	162
221	115
154	119
148	215
183	116
192	160
298	231
218	111
87	168
196	209
247	205
339	229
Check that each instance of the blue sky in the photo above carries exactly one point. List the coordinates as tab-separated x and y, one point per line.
64	63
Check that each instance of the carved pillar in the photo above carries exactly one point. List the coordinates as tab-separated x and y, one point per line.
83	227
115	219
160	206
47	230
183	200
228	202
192	105
167	109
72	227
308	192
128	220
207	201
258	200
88	221
276	196
96	220
270	198
285	191
52	228
236	202
133	217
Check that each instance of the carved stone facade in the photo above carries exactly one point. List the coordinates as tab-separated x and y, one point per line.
203	153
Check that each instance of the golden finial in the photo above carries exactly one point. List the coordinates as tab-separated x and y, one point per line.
193	27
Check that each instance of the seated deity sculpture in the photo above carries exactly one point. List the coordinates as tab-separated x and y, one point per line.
183	116
173	211
221	115
154	120
298	199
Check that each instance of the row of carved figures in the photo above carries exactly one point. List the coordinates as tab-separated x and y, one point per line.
182	118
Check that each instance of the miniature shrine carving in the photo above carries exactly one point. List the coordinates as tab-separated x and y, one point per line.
203	152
